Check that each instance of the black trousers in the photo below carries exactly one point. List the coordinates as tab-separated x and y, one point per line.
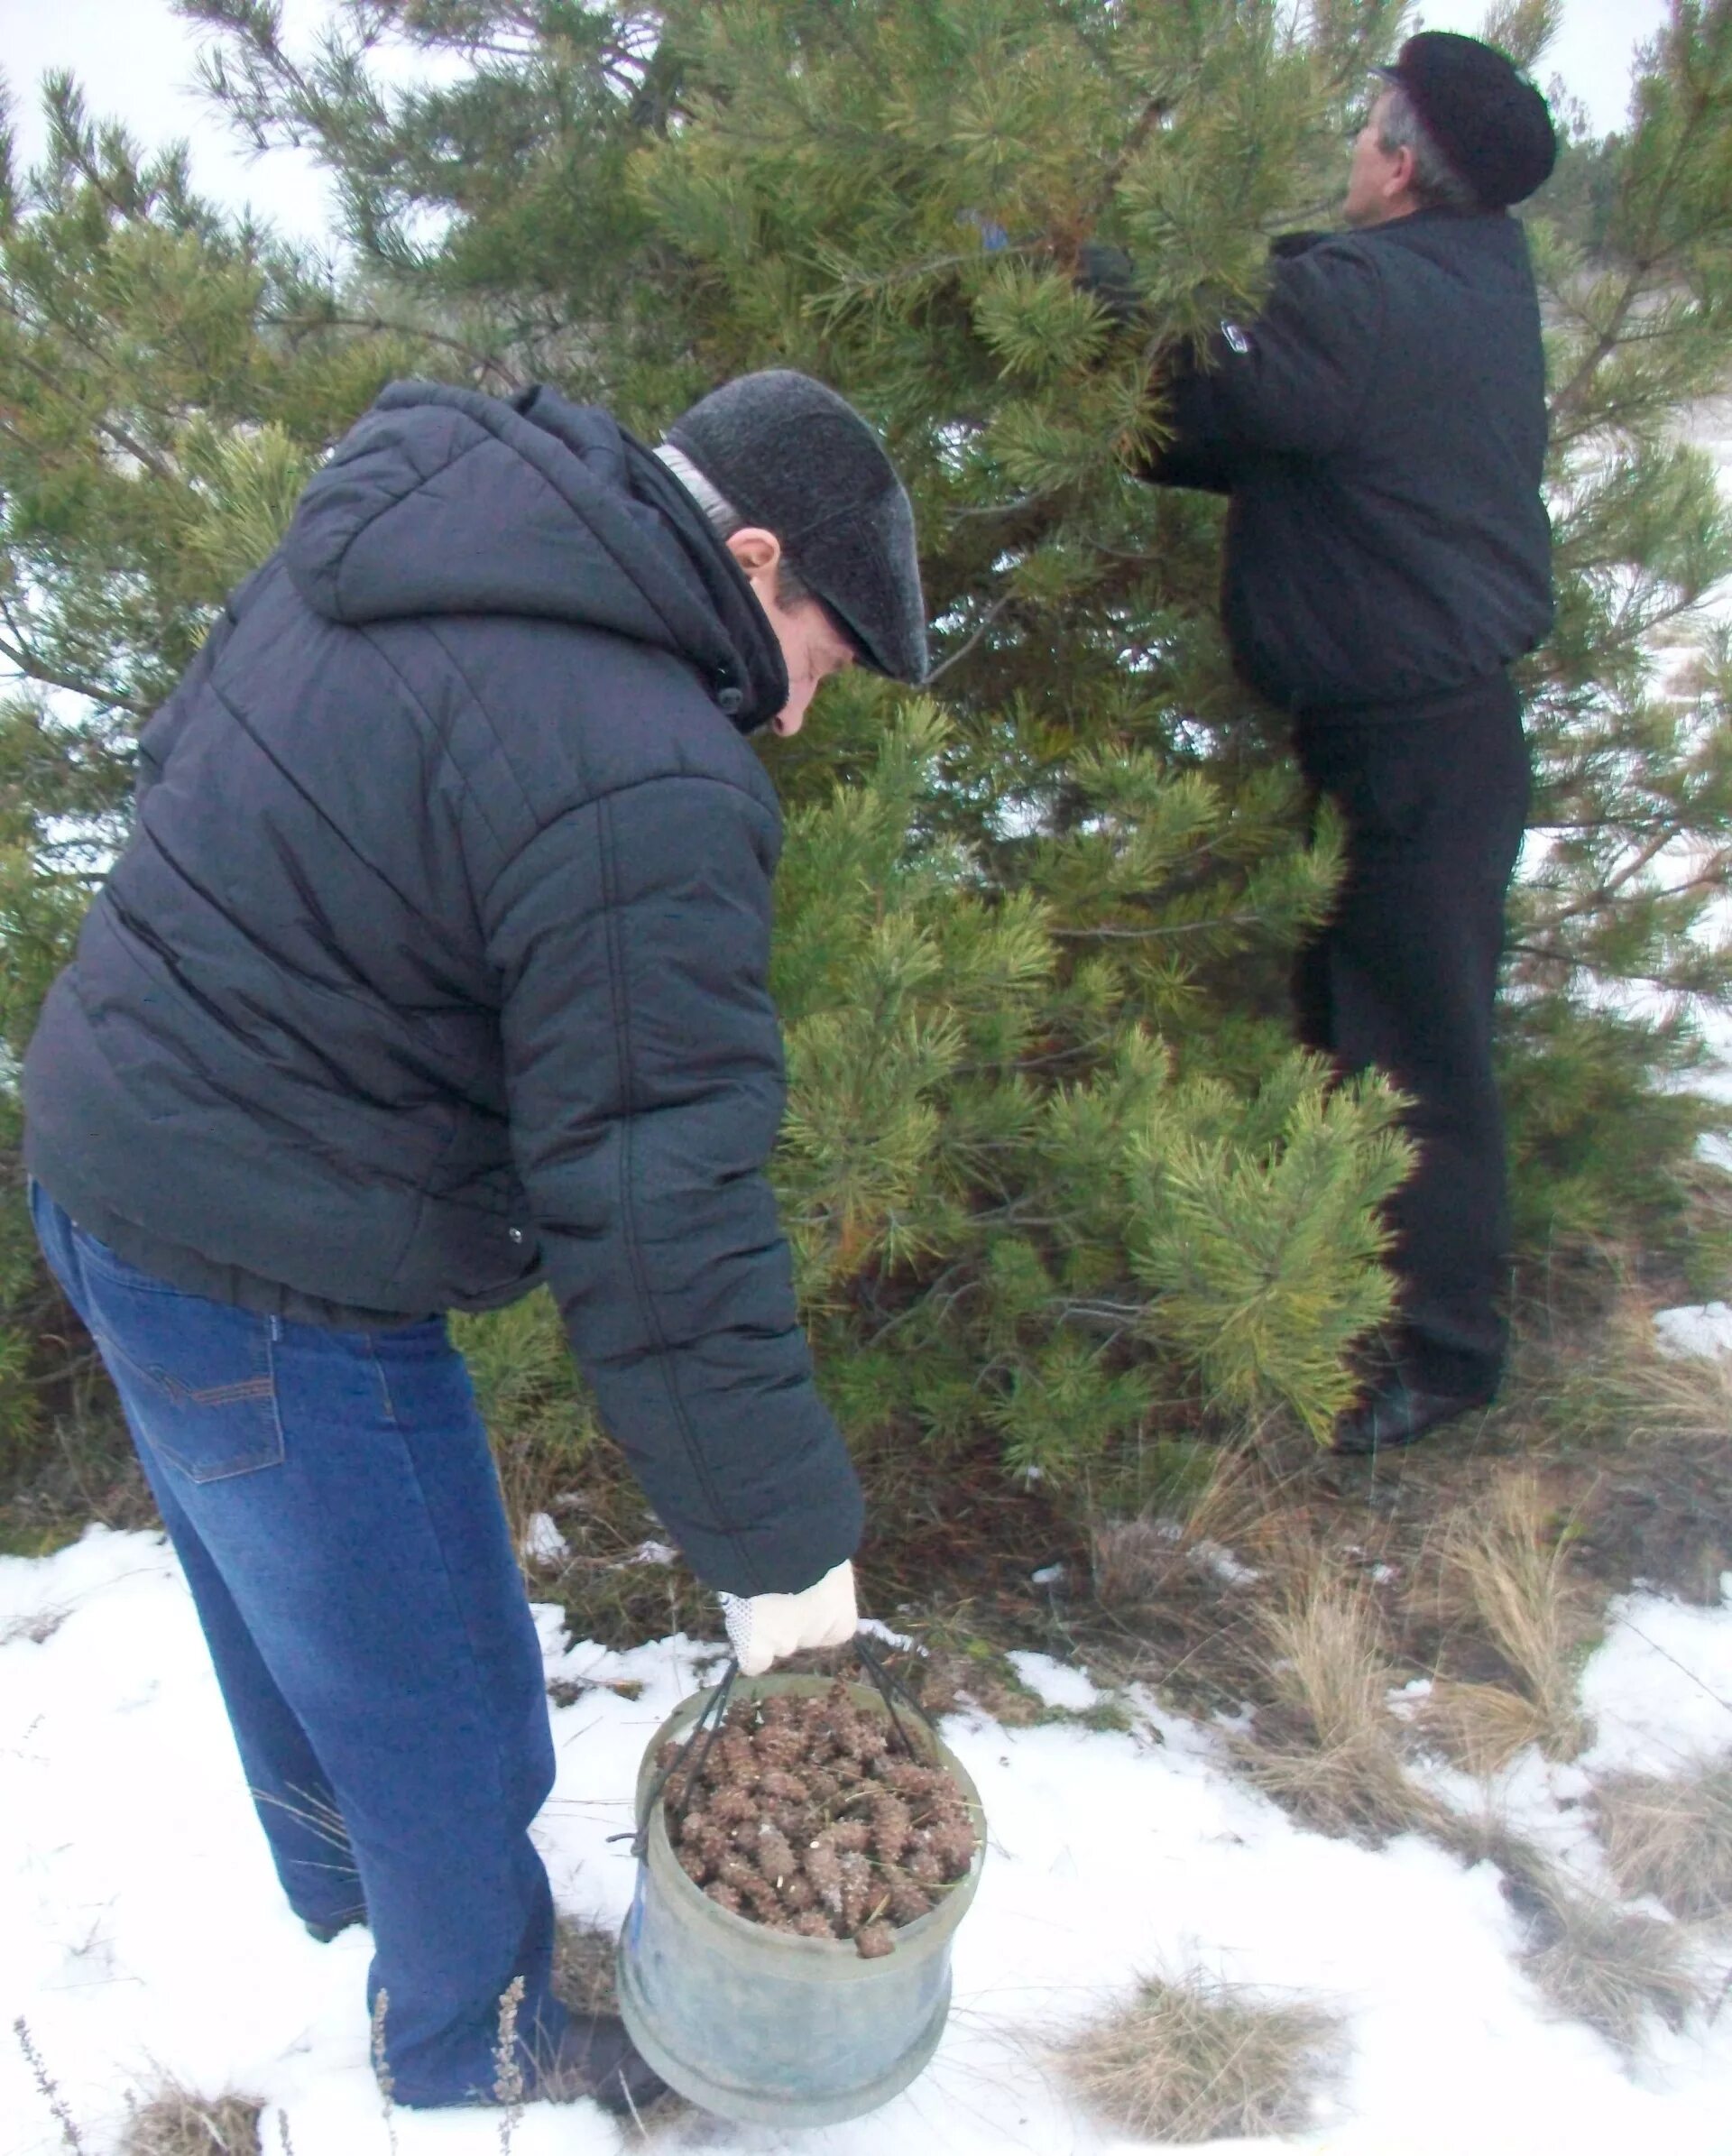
1404	976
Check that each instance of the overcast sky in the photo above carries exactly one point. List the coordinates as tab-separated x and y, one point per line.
137	62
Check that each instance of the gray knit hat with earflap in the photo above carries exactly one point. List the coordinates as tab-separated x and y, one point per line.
793	456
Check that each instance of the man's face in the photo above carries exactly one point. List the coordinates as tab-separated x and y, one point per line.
1376	187
812	647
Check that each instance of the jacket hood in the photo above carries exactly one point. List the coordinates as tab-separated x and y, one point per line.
441	500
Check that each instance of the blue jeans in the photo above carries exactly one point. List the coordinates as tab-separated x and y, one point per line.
334	1504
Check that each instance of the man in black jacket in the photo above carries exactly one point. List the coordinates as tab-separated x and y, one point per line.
436	966
1381	427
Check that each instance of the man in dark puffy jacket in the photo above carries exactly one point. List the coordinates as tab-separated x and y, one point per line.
1381	427
436	967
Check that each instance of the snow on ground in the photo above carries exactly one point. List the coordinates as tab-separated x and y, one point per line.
1695	1329
142	1931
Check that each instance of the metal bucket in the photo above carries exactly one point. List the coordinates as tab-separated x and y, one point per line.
763	2027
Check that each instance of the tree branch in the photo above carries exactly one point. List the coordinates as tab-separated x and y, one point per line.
376	325
23	661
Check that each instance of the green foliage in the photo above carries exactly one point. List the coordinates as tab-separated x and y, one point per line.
992	1161
521	1369
1051	1167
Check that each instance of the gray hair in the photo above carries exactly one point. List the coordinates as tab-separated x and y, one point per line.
1436	184
725	520
725	517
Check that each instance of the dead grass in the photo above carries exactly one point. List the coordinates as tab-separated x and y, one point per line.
1612	1967
1223	1508
1197	2060
176	2123
582	1966
1329	1746
1591	1960
1671	1836
1647	1396
1503	1567
1481	1728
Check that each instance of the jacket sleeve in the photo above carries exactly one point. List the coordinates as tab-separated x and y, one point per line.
644	1066
1290	383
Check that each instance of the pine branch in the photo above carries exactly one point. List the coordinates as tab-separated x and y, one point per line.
962	651
1647	257
25	661
1597	900
376	325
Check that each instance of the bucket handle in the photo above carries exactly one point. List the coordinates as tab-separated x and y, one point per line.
711	1714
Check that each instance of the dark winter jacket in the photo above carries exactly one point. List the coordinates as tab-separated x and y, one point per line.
436	962
1381	429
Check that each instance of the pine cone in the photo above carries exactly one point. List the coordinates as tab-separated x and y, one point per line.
694	1867
779	1749
856	1889
732	1762
762	1899
852	1837
871	1940
952	1845
791	1820
822	1866
778	1783
740	1873
798	1892
776	1859
709	1847
922	1864
892	1828
907	1902
813	1923
908	1778
732	1806
723	1896
873	1739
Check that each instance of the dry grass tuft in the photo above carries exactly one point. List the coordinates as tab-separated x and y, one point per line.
1653	1395
1482	1728
1133	1560
582	1966
1612	1967
1503	1565
1671	1838
1330	1747
1198	2060
176	2123
1219	1507
1608	1966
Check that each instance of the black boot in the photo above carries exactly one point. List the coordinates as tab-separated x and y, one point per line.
324	1930
594	2056
1396	1410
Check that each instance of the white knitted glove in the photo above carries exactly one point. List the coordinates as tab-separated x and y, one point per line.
762	1628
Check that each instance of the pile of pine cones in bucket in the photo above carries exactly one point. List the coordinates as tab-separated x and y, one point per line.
807	1816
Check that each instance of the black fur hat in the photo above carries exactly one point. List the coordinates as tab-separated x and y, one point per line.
792	455
1486	118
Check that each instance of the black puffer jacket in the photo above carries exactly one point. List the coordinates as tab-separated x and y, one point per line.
1381	429
437	961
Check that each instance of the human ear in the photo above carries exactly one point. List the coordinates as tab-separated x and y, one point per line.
754	548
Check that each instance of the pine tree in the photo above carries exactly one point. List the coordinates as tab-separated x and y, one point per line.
167	383
1051	1163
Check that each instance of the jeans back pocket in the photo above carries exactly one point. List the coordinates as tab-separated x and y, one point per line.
196	1377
